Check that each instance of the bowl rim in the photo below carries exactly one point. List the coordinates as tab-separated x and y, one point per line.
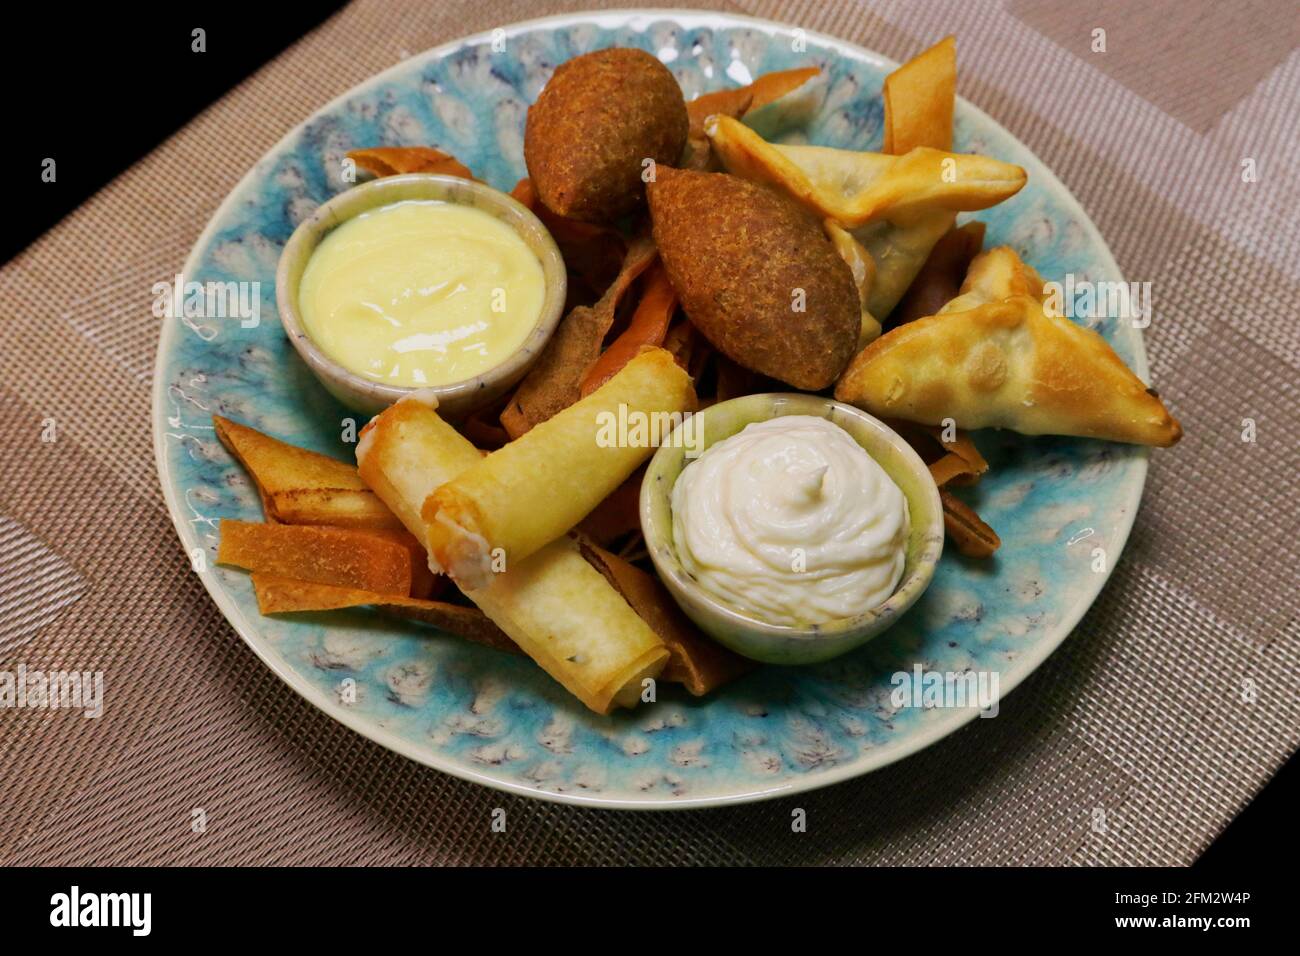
308	234
663	551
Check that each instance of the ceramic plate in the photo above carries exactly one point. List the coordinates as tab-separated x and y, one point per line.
499	720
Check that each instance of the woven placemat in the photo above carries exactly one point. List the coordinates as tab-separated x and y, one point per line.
1171	705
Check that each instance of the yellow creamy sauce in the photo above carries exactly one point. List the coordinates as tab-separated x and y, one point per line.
421	293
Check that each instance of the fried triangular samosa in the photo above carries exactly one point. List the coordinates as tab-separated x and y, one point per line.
1007	364
855	188
993	276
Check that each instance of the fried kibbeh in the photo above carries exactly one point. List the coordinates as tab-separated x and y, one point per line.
756	275
596	123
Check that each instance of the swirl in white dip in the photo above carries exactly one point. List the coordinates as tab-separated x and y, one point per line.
792	520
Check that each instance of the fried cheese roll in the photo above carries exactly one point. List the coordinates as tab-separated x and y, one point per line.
536	488
557	607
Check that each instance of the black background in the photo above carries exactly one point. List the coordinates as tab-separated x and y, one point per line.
98	90
911	910
96	87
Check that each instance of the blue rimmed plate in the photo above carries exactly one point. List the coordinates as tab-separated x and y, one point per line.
1063	507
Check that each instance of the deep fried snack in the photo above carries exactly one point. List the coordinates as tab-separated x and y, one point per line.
966	529
569	619
935	444
962	446
964	463
424	583
554	605
555	381
951	468
599	119
955	461
539	486
771	87
996	275
919	98
940	279
483	428
698	154
408	451
648	326
900	251
368	560
756	275
618	514
855	188
593	253
277	594
1007	364
396	160
298	486
767	89
900	203
863	268
695	661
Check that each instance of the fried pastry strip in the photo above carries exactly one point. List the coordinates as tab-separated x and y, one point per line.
298	486
277	594
389	562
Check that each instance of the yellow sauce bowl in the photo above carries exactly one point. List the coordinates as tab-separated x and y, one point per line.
455	399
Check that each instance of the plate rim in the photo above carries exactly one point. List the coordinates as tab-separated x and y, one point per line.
864	763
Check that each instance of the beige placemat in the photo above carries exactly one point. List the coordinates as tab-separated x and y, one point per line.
1171	705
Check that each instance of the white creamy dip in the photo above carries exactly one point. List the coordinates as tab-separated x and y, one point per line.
792	520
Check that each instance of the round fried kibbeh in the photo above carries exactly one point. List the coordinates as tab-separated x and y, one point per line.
601	116
756	275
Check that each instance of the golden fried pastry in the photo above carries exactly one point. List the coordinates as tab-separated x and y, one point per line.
590	134
940	279
756	275
555	606
900	252
919	98
1007	364
530	492
993	276
898	207
863	268
855	188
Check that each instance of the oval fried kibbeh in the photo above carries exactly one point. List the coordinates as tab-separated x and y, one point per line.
598	119
743	259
